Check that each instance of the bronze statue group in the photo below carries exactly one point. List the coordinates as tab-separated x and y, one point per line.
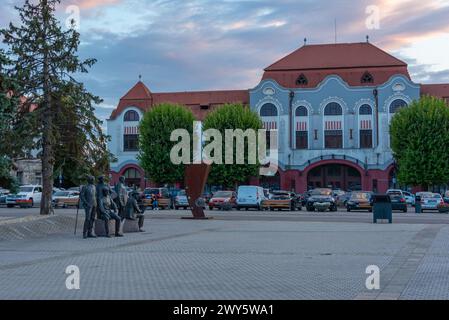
100	201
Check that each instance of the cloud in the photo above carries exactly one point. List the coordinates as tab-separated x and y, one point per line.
180	45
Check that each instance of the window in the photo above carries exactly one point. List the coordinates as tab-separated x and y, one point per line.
365	110
132	174
131	142
302	140
333	139
131	116
367	78
302	80
301	112
333	109
396	105
366	139
269	110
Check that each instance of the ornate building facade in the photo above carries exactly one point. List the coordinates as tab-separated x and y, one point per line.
331	106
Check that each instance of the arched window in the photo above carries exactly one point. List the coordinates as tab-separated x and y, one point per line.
333	109
269	110
132	177
301	112
367	78
302	128
131	116
365	110
333	126
396	105
302	80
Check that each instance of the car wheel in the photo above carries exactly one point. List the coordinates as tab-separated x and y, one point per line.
9	205
405	210
211	208
348	209
311	209
32	203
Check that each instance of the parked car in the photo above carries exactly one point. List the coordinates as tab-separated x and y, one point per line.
66	199
431	202
409	198
339	196
27	196
162	194
282	200
321	199
181	200
250	197
446	196
397	199
3	194
223	200
360	200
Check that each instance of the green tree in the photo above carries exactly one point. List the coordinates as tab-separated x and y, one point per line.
420	142
233	116
14	125
81	145
155	146
45	61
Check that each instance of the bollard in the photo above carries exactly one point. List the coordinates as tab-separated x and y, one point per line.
418	209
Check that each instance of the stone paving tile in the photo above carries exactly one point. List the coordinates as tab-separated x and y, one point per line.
215	260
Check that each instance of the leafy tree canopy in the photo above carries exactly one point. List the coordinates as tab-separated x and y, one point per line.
155	146
232	116
420	142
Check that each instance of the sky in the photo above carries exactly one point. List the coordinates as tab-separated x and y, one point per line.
184	45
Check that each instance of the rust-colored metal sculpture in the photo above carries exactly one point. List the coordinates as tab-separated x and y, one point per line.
195	180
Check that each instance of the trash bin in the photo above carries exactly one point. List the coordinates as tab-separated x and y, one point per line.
382	208
418	204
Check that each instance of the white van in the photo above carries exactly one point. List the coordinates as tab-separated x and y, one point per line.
28	196
250	197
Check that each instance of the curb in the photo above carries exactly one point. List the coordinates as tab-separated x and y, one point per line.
35	227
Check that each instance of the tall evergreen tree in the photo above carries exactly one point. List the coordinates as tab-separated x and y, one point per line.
14	124
45	62
81	147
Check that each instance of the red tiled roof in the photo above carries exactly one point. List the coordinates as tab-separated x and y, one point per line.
141	97
336	56
436	90
347	60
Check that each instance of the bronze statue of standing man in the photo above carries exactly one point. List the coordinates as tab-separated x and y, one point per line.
88	201
122	197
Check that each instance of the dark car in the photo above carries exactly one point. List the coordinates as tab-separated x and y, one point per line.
398	201
360	200
321	199
446	196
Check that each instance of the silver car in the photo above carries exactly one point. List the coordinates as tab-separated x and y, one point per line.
431	202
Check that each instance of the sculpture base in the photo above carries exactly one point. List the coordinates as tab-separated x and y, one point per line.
130	226
100	231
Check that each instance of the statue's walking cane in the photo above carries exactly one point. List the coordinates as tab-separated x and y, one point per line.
77	211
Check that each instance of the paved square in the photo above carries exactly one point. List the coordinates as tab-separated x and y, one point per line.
184	259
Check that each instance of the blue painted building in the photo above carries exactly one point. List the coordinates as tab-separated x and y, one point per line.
331	106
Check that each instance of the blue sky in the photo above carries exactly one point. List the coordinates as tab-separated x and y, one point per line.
180	45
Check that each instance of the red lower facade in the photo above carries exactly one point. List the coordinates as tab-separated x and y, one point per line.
338	174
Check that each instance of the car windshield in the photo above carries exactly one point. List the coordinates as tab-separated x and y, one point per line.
223	194
394	193
360	196
26	189
280	197
321	192
182	193
61	194
436	195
